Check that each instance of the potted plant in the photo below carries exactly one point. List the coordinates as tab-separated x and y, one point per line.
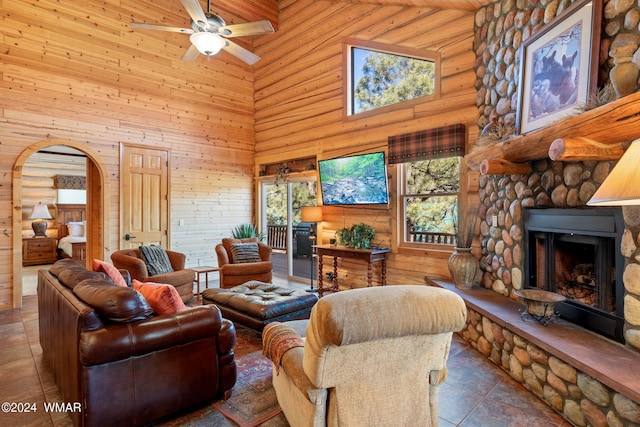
358	236
245	231
462	264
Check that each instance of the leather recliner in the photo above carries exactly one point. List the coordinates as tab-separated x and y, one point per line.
181	278
234	274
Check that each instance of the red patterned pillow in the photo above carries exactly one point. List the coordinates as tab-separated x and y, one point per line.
164	299
110	270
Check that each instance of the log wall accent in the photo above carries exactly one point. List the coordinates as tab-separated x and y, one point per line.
76	71
300	102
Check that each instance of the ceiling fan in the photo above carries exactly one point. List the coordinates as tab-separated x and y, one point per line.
209	33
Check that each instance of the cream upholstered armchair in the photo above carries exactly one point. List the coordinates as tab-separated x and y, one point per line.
242	260
371	356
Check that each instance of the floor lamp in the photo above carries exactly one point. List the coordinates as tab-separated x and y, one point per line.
313	215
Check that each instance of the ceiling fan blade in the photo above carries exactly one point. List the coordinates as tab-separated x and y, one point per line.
195	12
240	52
162	28
247	29
191	54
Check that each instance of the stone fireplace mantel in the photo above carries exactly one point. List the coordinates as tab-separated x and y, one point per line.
611	124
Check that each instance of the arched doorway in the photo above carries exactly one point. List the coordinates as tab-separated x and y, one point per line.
98	195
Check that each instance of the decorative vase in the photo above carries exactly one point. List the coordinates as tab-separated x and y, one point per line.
463	266
624	74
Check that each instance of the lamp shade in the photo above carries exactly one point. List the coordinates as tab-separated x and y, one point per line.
311	214
622	186
40	211
38	215
207	43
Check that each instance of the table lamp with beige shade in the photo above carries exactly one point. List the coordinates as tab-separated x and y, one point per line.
38	216
622	186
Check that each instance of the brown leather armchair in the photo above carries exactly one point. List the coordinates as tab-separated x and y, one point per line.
234	274
181	278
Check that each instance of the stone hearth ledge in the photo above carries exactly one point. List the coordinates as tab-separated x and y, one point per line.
607	361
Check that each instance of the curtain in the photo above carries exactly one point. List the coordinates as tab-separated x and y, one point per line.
445	141
68	182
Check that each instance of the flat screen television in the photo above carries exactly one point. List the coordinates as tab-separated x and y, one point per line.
354	180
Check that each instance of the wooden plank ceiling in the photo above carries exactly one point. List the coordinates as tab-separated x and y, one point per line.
252	10
435	4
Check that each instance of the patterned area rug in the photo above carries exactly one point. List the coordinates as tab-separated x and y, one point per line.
253	400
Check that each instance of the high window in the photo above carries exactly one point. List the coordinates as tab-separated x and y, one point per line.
381	76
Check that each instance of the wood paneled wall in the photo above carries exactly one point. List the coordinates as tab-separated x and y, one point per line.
300	101
76	71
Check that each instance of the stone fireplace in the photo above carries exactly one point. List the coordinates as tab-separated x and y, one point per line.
575	253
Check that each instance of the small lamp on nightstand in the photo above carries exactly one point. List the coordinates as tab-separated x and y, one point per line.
39	225
312	214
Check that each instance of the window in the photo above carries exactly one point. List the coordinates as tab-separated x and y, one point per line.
429	200
381	76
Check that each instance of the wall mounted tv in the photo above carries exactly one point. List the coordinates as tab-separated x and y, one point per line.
354	180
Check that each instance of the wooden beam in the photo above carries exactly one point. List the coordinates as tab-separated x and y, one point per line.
502	167
578	149
613	123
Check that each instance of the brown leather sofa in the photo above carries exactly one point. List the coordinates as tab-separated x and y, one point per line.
181	278
124	366
234	274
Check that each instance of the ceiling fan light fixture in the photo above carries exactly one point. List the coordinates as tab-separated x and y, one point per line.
207	43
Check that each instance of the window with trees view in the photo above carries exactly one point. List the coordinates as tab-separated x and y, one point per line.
429	200
379	77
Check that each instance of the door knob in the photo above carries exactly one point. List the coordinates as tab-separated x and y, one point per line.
129	237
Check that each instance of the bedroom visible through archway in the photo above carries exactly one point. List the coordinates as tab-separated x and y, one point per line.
38	174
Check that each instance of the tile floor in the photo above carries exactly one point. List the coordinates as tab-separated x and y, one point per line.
477	393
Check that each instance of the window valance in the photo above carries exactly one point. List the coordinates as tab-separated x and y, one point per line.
68	182
444	141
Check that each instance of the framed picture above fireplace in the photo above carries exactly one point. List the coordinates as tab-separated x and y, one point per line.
559	66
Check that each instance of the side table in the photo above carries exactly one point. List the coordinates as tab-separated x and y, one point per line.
368	255
203	269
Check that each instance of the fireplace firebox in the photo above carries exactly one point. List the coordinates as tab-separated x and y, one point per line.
576	253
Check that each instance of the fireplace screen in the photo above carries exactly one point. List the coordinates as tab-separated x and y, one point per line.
576	253
581	268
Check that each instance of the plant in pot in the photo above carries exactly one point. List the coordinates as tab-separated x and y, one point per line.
462	264
358	236
245	231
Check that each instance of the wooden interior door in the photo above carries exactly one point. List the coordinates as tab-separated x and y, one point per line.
144	178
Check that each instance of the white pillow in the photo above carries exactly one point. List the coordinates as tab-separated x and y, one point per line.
76	229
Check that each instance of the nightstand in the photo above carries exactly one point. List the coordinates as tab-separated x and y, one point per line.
39	250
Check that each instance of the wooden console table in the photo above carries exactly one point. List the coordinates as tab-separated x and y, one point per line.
368	255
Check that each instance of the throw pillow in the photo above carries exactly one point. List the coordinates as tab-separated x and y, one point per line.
245	252
76	229
164	299
110	270
113	302
156	259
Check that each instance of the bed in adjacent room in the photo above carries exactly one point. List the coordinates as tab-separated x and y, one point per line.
72	231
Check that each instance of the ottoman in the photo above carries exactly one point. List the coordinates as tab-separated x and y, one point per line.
255	304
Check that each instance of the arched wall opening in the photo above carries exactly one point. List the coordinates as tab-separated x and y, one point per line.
98	195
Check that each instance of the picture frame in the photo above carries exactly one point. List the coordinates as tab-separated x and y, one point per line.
559	66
